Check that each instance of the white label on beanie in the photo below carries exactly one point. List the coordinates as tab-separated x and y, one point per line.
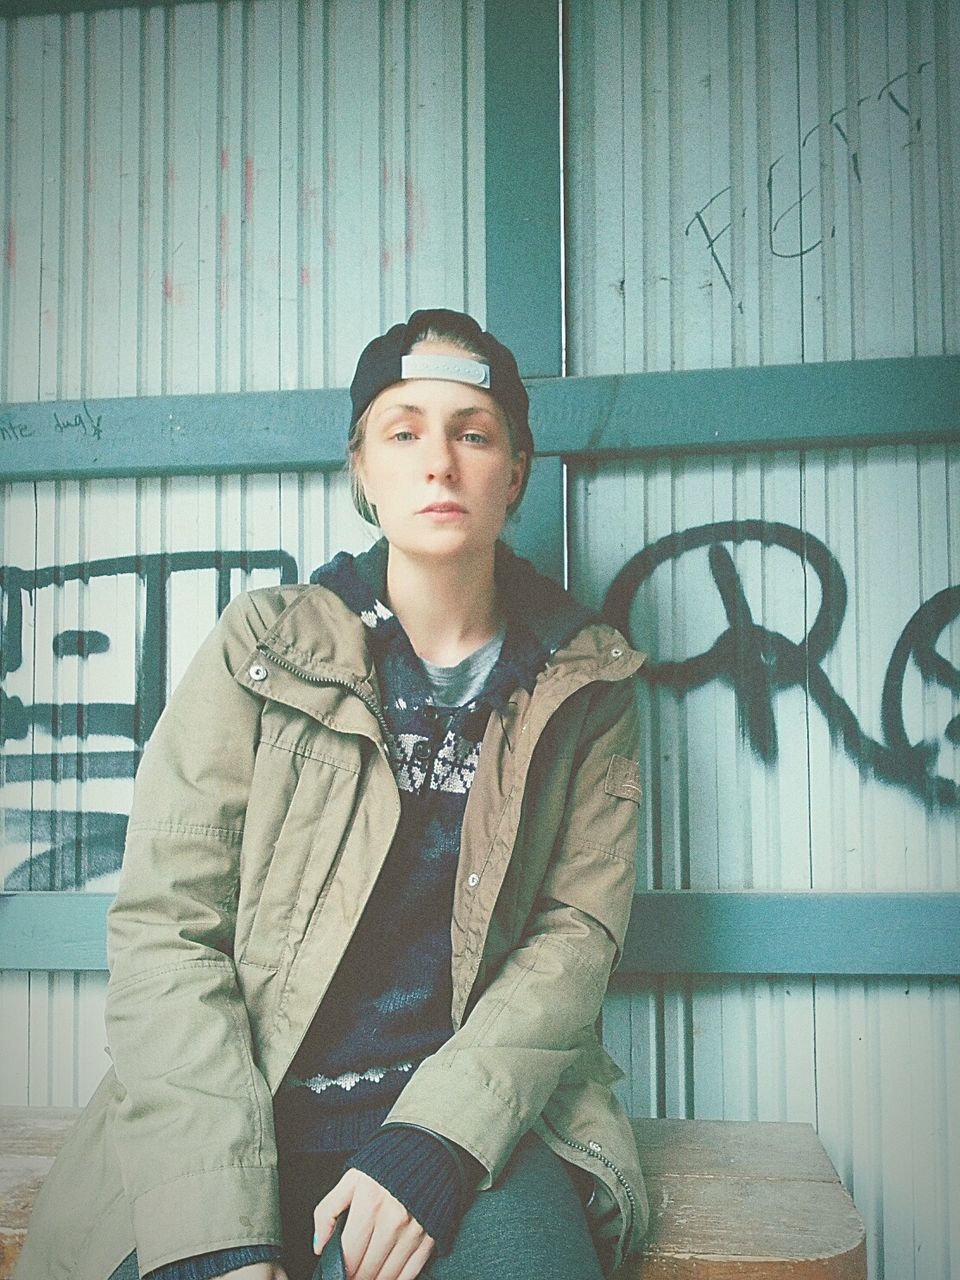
449	368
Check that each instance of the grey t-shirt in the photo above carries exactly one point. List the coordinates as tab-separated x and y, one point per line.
455	686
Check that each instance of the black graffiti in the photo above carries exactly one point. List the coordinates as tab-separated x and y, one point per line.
757	662
844	123
13	432
80	644
712	238
69	848
773	224
885	91
83	426
131	720
84	423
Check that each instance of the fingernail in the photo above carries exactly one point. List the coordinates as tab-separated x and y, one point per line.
316	1241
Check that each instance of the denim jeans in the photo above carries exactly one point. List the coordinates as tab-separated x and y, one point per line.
529	1226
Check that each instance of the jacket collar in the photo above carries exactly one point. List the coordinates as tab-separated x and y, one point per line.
539	611
325	634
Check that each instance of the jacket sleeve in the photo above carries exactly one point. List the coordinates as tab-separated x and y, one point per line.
534	1023
194	1124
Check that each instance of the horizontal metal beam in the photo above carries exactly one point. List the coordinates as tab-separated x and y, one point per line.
774	407
33	8
53	930
909	399
754	932
175	435
687	932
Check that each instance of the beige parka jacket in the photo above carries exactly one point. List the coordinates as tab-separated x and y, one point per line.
264	809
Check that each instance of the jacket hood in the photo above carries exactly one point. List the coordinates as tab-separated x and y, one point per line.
530	600
333	630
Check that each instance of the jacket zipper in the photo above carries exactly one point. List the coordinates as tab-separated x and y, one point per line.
350	685
595	1152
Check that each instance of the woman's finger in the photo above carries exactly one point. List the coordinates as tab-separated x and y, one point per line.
380	1235
395	1238
370	1235
417	1260
329	1209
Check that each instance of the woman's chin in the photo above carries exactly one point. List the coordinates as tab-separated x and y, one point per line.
440	540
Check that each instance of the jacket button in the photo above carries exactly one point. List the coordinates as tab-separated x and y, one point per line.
616	653
421	751
257	672
473	879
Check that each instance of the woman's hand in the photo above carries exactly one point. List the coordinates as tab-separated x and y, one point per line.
380	1240
257	1271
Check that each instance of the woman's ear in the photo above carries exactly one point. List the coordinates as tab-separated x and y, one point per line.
520	463
358	490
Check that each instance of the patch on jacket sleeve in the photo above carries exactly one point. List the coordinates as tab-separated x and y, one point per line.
623	779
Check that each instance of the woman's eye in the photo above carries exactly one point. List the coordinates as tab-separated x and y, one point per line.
401	433
474	437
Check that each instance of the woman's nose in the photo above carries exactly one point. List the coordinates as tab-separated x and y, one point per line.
441	463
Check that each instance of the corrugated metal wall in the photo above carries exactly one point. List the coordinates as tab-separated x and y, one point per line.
233	196
761	183
76	713
217	197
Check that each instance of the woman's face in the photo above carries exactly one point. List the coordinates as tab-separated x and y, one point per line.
437	463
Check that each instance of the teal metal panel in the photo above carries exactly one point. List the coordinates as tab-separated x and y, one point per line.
877	400
842	934
232	215
910	399
175	435
49	931
839	934
32	8
536	531
523	208
756	183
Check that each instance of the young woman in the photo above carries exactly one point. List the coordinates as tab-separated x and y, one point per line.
378	870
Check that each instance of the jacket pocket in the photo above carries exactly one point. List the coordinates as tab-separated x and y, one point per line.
623	779
299	809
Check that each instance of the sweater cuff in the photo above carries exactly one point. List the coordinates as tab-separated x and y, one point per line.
433	1180
208	1266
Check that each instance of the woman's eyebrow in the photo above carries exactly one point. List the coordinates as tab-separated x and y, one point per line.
403	408
471	411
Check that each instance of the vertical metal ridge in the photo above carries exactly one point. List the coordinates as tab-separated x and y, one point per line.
327	56
7	31
947	37
801	195
303	169
222	220
675	155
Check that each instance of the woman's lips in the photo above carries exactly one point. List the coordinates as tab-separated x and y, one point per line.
443	509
